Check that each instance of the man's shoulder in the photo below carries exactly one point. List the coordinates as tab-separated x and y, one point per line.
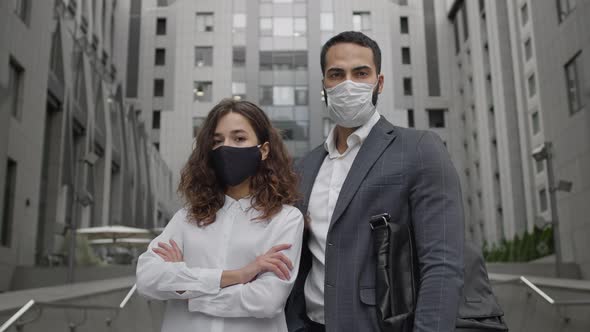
408	136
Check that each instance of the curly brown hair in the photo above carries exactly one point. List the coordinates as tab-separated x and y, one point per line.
274	184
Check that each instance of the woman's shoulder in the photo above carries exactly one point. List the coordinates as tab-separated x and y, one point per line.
290	214
180	217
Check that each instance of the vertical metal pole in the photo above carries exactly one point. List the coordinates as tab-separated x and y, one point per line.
73	224
554	215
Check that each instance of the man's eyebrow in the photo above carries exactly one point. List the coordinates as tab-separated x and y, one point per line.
335	69
362	67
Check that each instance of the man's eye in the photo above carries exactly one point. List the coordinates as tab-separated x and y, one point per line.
363	74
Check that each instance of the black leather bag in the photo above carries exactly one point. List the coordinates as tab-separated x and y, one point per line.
397	288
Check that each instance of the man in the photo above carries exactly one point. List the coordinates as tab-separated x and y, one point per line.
367	167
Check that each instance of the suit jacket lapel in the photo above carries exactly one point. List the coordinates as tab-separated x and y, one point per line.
379	138
311	167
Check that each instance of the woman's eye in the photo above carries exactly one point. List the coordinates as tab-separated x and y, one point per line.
240	139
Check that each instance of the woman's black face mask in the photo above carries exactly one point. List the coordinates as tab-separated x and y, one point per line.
234	165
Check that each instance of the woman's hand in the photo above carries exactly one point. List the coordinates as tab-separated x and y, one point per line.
272	261
170	253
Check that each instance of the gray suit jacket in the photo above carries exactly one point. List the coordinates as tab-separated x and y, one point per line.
408	174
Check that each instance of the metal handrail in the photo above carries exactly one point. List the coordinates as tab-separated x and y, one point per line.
17	315
548	298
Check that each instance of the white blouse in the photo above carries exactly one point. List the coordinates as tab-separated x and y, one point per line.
231	242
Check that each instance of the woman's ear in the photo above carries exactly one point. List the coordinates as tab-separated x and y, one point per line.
265	150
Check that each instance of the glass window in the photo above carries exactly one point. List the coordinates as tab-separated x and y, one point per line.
283	60
456	32
161	26
300	26
197	123
282	26
239	56
540	165
160	56
543	200
361	21
406	59
300	60
8	211
524	13
266	26
265	59
156	119
202	91
436	118
205	22
564	8
238	90
411	123
283	95
158	87
203	56
574	84
536	122
21	9
301	95
528	49
266	95
239	21
532	85
15	85
465	21
326	21
404	25
407	86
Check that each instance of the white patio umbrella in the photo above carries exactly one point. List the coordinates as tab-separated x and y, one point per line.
121	242
113	232
158	230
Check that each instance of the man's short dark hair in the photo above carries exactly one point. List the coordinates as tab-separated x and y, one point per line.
354	37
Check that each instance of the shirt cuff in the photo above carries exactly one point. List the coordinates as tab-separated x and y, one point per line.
210	280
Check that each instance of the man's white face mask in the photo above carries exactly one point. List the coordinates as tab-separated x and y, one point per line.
350	104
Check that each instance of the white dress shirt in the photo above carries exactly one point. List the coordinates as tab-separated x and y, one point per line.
231	242
322	201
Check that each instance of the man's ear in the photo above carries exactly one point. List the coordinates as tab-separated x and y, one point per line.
265	150
380	80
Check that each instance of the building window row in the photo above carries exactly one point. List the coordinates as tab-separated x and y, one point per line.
283	95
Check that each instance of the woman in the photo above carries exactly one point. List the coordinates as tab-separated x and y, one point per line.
228	260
